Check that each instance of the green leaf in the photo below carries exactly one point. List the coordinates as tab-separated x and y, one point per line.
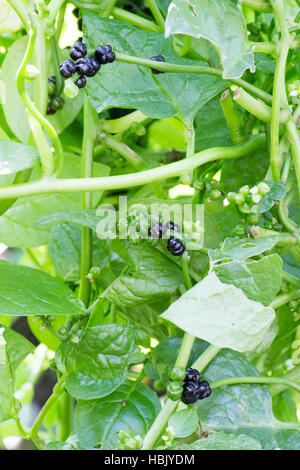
211	128
14	108
259	280
9	20
130	407
13	349
244	408
184	422
221	440
72	443
131	86
264	63
44	335
222	23
83	387
86	218
221	314
103	352
18	225
65	248
240	249
250	169
27	291
151	275
16	157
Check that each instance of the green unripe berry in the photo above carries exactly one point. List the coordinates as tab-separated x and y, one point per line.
231	197
239	199
51	89
57	103
174	390
200	185
253	219
263	188
293	304
215	194
159	385
245	208
244	190
256	198
178	373
213	183
133	443
240	230
124	435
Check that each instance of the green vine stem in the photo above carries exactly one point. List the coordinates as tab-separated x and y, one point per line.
258	5
89	138
48	164
53	8
264	47
206	357
136	20
178	68
50	185
156	14
57	391
254	380
233	119
283	299
258	108
279	91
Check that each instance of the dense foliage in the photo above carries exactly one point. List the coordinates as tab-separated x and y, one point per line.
172	336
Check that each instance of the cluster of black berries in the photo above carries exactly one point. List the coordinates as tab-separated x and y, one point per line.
55	102
175	246
158	58
85	66
194	388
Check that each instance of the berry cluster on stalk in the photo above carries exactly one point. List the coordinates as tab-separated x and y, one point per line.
158	58
85	66
55	102
186	384
175	246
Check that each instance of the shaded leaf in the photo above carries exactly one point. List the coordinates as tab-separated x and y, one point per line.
16	157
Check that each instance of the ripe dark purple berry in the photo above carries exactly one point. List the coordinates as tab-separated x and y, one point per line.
52	79
157	231
50	111
204	390
171	226
175	246
158	58
83	66
78	51
190	393
192	375
95	64
111	57
67	68
80	82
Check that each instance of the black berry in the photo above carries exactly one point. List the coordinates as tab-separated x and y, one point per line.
78	51
190	393
157	230
76	12
192	375
204	390
83	66
95	64
50	111
80	82
67	68
176	247
111	57
171	226
158	58
79	24
52	79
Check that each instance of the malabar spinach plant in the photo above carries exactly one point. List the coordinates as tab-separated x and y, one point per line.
156	341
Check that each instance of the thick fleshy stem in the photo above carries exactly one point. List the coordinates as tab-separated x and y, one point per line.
254	380
233	119
258	5
50	185
156	14
89	138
